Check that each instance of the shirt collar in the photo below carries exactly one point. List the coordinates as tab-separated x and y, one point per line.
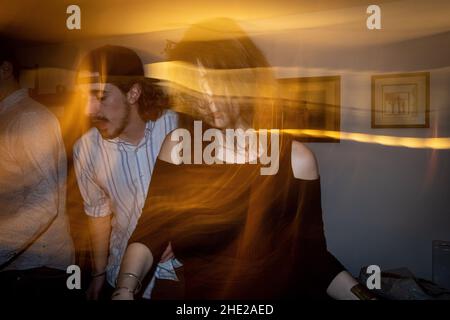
147	133
12	99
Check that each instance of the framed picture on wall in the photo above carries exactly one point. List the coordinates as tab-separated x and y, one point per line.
401	100
312	103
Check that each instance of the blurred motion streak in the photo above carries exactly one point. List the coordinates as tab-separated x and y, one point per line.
393	141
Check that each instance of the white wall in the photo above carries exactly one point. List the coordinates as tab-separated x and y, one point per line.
382	205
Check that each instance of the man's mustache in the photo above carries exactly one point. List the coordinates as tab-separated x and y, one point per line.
96	119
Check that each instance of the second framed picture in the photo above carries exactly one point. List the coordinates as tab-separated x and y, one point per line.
401	100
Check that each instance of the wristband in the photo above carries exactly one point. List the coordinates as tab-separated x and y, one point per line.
131	275
98	274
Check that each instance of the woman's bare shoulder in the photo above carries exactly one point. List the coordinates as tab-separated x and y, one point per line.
166	152
304	163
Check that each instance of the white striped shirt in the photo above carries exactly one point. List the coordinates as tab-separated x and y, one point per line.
113	177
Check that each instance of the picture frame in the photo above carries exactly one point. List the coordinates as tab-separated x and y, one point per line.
401	100
312	103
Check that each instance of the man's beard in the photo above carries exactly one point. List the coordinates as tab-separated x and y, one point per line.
118	131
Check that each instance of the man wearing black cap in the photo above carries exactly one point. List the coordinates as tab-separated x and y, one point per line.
114	160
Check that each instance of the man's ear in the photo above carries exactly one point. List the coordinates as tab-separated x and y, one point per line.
134	93
6	70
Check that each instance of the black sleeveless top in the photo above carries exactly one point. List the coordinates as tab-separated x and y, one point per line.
239	235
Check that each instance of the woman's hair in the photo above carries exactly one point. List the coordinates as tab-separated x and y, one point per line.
218	44
236	70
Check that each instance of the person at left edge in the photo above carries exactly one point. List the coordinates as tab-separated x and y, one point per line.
35	243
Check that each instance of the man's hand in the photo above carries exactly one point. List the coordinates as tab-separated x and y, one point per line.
99	231
340	287
95	287
167	254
